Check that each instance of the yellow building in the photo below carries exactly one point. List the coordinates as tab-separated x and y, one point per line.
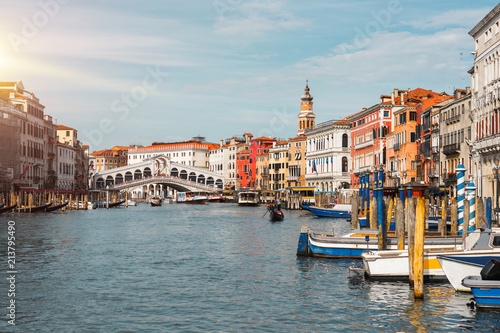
297	161
109	158
262	170
279	158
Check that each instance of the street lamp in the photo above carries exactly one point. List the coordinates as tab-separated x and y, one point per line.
404	176
496	170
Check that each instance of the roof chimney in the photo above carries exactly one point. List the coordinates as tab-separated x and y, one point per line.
392	98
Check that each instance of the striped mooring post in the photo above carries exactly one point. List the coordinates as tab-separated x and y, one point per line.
362	191
471	195
460	170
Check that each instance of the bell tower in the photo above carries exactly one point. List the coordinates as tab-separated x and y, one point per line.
306	116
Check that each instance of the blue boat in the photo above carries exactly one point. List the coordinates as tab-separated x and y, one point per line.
316	243
336	211
485	287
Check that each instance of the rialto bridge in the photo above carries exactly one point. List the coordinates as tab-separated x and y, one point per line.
155	175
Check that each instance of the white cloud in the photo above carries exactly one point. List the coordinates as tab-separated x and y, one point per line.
466	18
255	18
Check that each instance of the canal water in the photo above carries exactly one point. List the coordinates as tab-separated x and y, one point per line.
204	268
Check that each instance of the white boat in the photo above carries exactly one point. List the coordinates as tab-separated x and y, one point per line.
192	197
394	264
131	203
316	243
248	198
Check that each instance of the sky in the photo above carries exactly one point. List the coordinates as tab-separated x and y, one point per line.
137	72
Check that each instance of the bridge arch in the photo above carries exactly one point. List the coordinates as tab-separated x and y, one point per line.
183	174
219	183
137	174
100	183
110	181
147	172
192	176
201	179
119	178
174	172
210	181
128	176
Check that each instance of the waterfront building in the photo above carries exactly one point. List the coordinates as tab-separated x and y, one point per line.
262	180
369	128
108	159
69	136
231	147
427	158
10	138
454	126
327	156
243	172
297	164
37	148
278	165
306	117
257	146
485	81
195	152
66	158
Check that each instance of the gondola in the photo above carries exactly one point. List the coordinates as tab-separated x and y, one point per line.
8	208
276	215
56	207
110	205
34	209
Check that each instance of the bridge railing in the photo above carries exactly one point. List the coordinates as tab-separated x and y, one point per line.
155	179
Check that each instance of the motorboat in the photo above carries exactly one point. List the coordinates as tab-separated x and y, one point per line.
340	210
248	198
394	264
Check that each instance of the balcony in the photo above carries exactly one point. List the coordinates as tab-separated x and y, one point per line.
364	144
397	146
454	119
433	173
454	148
435	150
426	153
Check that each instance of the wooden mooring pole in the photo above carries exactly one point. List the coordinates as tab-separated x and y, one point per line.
418	261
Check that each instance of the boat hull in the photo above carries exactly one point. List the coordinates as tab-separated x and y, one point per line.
330	212
353	245
457	267
276	216
486	292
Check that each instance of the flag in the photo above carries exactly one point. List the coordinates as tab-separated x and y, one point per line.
314	167
25	171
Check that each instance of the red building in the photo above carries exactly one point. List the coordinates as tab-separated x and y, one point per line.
243	169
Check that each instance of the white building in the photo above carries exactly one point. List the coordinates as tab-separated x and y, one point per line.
485	82
192	153
328	156
66	157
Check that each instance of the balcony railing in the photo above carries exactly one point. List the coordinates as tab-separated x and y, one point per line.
397	146
435	150
433	173
451	149
426	154
454	119
364	144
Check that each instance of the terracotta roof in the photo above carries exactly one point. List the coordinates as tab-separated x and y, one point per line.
342	122
246	151
263	138
300	137
283	142
434	100
62	127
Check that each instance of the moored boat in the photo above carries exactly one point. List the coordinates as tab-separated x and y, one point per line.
486	286
110	205
316	243
131	203
340	210
394	264
33	209
7	208
248	198
56	207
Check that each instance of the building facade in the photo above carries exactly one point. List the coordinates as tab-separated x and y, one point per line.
485	81
328	156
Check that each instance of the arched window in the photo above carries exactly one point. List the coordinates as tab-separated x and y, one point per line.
345	142
345	167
